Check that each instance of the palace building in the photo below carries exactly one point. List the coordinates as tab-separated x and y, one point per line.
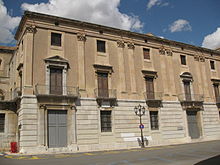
72	86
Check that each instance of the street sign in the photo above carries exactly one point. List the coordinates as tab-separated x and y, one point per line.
141	126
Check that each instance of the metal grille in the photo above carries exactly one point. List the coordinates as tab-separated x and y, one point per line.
154	120
2	122
106	122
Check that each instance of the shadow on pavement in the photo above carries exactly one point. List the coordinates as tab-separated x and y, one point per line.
211	161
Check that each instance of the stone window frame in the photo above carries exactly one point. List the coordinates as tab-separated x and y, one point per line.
215	81
106	47
54	38
49	40
103	69
64	65
110	130
149	74
112	121
187	76
146	48
157	123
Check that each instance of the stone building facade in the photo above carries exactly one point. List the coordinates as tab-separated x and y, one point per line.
73	87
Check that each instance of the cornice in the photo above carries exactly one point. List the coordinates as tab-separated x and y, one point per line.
120	32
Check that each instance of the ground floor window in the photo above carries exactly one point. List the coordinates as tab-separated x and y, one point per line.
2	122
106	121
154	120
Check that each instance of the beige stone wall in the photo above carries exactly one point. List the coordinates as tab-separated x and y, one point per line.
125	54
9	135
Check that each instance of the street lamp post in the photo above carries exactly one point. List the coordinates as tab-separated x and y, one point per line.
140	111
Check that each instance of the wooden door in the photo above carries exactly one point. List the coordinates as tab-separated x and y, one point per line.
56	81
103	85
150	88
187	91
57	128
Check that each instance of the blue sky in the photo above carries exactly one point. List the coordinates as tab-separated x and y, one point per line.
194	22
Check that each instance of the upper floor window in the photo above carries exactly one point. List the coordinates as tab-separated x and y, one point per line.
106	121
56	81
216	90
187	90
146	53
212	65
150	87
2	122
101	46
103	85
183	59
56	39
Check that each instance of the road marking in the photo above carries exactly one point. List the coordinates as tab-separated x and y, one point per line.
21	157
90	154
10	157
35	158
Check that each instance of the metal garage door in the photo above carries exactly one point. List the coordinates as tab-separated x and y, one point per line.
57	128
193	124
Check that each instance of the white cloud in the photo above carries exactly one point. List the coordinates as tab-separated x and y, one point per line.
105	12
212	41
180	25
152	3
7	25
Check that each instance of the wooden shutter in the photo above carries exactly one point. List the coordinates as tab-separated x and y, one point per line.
56	81
216	90
187	90
150	88
102	84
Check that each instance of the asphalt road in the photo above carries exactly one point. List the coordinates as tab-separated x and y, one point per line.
205	153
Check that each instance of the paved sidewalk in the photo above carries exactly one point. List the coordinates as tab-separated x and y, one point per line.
167	155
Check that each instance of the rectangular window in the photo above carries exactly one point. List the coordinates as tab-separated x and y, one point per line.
187	90
183	59
150	87
103	85
146	53
56	81
216	90
106	121
2	122
212	65
154	120
56	39
101	46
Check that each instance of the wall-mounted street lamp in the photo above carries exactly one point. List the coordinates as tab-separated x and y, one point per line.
140	111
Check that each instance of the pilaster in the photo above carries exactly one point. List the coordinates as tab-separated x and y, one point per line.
81	60
28	60
121	66
131	66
